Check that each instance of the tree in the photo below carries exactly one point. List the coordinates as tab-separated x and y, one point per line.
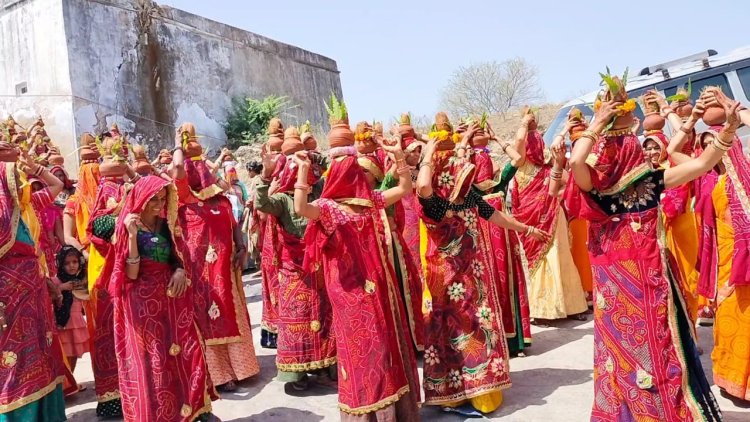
248	120
491	87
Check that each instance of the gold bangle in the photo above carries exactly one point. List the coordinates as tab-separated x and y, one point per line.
720	145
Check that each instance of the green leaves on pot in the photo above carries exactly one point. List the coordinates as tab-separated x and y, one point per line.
336	110
682	94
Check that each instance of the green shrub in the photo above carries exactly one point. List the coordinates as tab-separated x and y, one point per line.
248	120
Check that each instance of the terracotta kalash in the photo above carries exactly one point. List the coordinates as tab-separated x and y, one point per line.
87	151
275	135
715	115
114	164
55	158
653	122
340	134
307	137
680	103
141	165
482	136
442	132
615	91
578	124
165	157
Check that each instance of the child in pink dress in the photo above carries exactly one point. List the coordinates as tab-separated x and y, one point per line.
74	334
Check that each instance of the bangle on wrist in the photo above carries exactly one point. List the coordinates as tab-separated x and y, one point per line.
133	261
301	186
426	164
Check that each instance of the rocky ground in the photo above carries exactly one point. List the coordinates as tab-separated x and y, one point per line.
552	383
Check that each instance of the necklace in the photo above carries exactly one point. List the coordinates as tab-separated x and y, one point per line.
154	239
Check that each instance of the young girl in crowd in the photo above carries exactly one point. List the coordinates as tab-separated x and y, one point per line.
71	325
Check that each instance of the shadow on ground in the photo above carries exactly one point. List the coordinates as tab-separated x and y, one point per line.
250	388
531	387
281	414
560	333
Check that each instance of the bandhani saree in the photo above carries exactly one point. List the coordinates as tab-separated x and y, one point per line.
506	256
269	264
646	363
205	228
375	364
408	274
411	228
466	352
109	200
377	372
163	372
730	356
30	360
305	339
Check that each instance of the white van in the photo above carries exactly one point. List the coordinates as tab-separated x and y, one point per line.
730	71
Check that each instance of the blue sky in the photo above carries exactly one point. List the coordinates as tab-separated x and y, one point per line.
397	56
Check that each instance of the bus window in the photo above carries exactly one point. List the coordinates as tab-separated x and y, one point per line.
699	84
744	75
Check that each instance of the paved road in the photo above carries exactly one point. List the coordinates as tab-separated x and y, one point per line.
553	383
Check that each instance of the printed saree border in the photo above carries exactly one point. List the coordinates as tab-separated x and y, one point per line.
306	367
382	404
731	388
466	395
10	176
108	396
23	401
405	285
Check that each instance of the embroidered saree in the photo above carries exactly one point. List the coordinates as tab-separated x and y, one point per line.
162	368
466	354
31	361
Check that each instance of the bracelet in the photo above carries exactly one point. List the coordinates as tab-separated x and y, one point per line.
727	144
38	171
667	111
590	134
302	186
135	178
720	146
133	261
529	229
426	164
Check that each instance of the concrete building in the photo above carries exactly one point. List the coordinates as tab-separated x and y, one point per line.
85	64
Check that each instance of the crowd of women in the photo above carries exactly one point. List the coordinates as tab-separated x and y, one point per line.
383	248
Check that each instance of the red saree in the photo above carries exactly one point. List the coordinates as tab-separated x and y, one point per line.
163	372
305	341
269	264
109	198
505	258
31	363
531	202
376	366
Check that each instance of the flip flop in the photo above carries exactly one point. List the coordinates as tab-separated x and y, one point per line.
464	410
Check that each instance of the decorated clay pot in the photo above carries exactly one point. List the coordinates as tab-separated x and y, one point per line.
683	108
111	168
340	135
193	149
653	121
714	116
368	146
56	160
406	131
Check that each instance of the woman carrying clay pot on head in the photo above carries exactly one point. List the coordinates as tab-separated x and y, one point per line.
379	382
619	194
555	289
210	244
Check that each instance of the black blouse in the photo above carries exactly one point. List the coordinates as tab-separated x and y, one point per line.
642	195
435	207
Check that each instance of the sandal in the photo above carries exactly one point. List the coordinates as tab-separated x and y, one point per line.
229	387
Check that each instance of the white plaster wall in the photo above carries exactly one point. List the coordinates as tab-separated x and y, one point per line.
33	50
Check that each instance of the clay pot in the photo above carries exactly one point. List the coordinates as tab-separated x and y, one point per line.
446	145
56	160
143	167
683	108
575	131
340	135
623	122
533	125
367	146
292	143
111	168
406	131
310	143
275	142
653	121
193	149
714	116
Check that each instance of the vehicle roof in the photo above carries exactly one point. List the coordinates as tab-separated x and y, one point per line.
676	71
